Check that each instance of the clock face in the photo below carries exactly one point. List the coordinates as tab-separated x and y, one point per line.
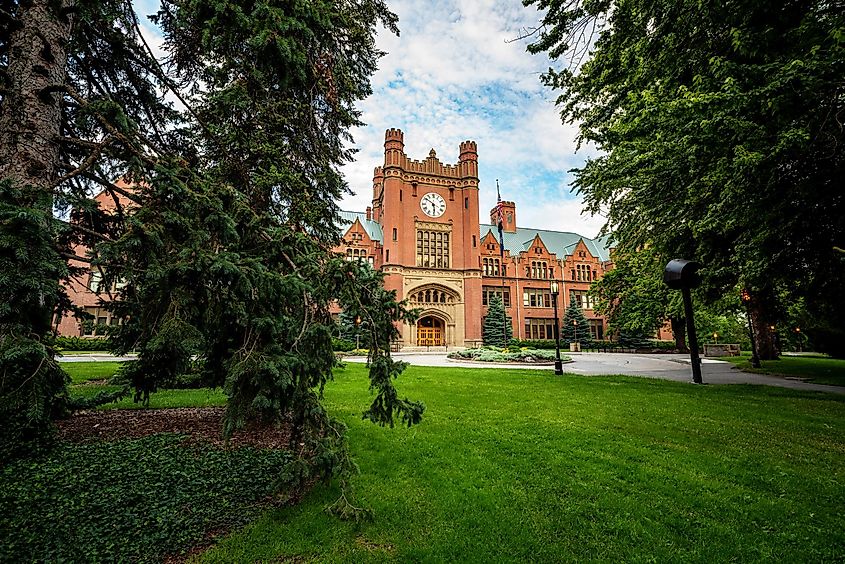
433	205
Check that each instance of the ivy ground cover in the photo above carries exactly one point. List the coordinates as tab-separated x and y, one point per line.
514	466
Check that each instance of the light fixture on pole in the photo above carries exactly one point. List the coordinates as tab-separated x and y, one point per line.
575	324
800	339
558	363
716	338
746	299
357	332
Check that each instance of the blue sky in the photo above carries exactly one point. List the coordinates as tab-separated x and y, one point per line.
450	76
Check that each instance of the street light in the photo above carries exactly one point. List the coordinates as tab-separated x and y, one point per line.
575	324
716	338
357	332
558	363
800	339
746	299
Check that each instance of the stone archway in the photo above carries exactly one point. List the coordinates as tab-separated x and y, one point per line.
440	308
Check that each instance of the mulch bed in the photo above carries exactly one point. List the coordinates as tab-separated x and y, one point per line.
201	424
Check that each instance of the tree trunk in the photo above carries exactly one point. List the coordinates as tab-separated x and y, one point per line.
679	330
763	336
31	115
31	118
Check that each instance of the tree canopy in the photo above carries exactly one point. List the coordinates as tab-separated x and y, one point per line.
221	248
720	135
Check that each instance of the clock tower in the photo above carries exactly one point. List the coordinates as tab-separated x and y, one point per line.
428	212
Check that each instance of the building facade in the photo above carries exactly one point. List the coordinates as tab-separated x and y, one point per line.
423	230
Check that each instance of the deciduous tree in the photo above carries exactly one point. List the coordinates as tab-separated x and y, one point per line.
721	137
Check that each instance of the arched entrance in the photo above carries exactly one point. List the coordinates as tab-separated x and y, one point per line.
430	332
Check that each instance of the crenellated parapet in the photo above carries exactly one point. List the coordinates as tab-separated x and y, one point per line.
395	157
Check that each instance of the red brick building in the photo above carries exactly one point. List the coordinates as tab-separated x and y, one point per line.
424	231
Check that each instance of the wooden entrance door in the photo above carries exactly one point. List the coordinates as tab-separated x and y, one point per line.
429	336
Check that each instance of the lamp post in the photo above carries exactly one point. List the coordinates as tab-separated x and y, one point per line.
558	363
575	325
716	338
800	339
357	332
746	299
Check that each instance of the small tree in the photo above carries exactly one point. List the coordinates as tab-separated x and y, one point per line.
569	331
497	330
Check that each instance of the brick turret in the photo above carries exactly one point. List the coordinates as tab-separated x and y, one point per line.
468	160
508	217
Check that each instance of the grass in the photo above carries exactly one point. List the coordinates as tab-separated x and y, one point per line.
513	466
813	368
84	383
81	372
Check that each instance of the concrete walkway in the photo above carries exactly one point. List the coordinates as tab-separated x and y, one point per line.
664	366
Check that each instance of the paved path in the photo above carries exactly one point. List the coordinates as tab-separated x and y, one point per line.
664	366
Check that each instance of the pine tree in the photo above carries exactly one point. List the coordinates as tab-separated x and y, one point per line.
569	331
225	245
496	331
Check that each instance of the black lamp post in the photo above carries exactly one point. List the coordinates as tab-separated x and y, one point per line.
558	363
746	299
575	325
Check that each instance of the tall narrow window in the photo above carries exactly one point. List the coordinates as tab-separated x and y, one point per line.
466	203
473	240
395	234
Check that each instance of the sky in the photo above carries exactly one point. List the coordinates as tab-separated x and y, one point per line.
455	73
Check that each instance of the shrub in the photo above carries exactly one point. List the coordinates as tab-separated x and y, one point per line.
83	343
341	345
491	354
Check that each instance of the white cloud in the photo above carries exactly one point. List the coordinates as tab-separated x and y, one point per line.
455	74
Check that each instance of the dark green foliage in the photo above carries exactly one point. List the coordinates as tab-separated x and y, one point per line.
497	330
32	385
225	252
351	331
339	345
132	500
721	138
569	332
63	343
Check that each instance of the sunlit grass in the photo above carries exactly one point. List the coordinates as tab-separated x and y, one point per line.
524	466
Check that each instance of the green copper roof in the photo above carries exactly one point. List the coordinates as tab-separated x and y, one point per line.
372	228
561	243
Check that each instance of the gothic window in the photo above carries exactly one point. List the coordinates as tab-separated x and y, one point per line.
433	249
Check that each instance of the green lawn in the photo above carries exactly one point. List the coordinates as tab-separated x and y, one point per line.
84	371
524	466
813	368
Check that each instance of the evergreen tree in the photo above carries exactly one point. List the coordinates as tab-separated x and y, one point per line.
224	244
717	143
571	333
497	329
